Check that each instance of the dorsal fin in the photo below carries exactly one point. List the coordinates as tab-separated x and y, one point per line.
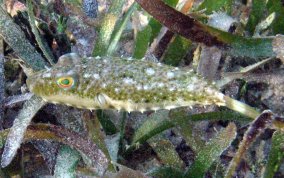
68	59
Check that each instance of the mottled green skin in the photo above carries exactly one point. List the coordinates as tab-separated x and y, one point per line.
123	84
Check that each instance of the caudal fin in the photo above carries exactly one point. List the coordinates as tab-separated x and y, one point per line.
241	107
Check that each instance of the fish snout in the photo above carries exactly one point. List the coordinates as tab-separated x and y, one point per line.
30	83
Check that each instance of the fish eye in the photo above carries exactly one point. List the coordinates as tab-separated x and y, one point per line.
65	82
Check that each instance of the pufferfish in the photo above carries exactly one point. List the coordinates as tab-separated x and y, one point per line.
123	84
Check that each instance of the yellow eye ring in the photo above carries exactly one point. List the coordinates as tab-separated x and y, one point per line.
65	82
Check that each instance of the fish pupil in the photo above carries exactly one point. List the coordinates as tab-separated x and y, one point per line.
65	82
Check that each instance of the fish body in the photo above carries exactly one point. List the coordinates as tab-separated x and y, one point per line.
121	84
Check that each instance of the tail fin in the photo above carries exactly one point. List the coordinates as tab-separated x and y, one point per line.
241	107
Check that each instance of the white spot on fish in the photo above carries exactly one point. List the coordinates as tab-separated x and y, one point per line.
128	81
47	68
155	108
105	71
59	74
209	91
116	90
96	76
138	87
194	79
82	41
172	89
190	87
87	75
142	110
71	72
46	75
146	87
150	71
161	84
153	85
90	58
170	107
97	57
130	101
170	75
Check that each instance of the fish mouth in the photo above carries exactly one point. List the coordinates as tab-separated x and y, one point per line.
33	83
71	100
30	84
